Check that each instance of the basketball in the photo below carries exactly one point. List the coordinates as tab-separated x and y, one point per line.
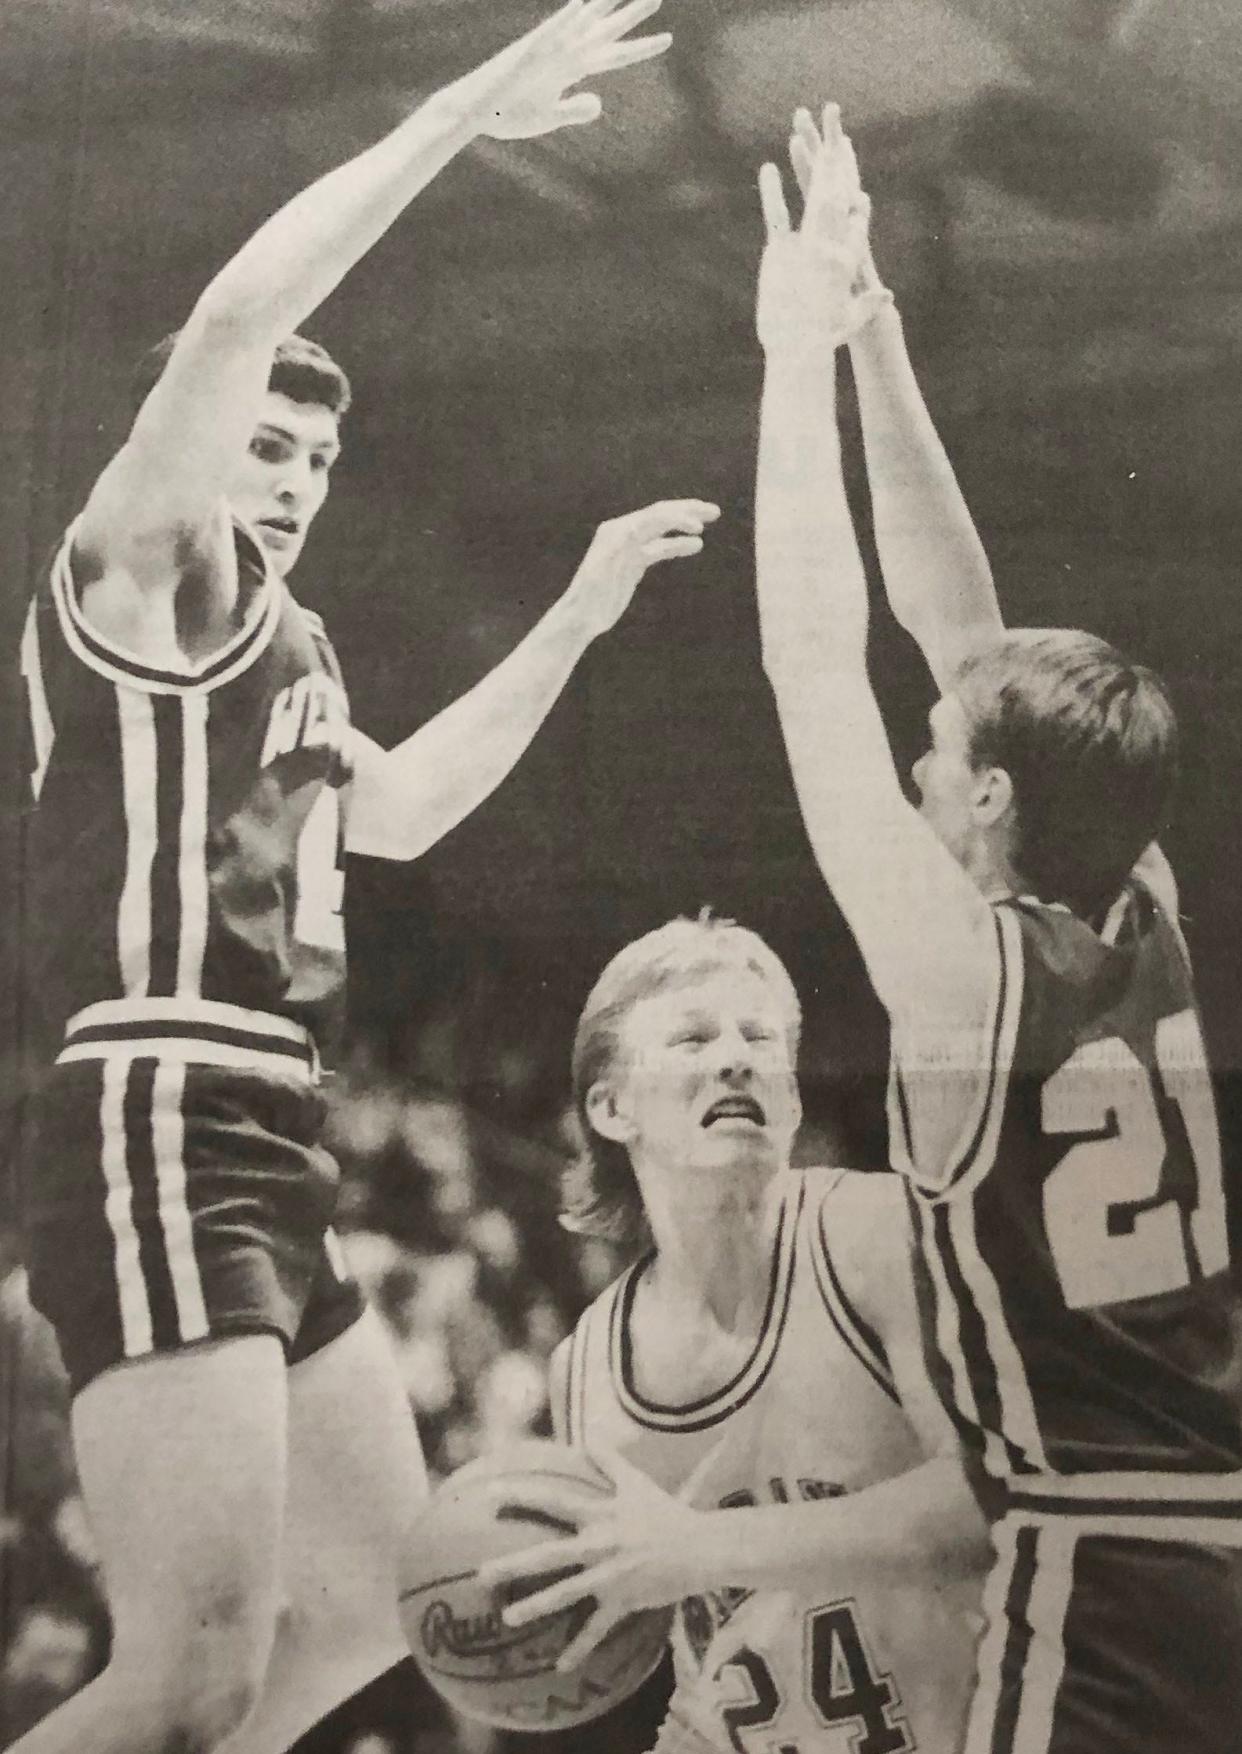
507	1676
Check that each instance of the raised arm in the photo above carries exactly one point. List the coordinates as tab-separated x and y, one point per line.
936	573
924	930
162	492
408	798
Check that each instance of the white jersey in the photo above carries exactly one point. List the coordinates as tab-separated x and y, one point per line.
812	1414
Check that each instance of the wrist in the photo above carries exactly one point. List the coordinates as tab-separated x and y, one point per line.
882	325
575	617
455	111
813	348
728	1553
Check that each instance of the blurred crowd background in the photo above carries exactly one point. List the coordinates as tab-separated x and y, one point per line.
556	333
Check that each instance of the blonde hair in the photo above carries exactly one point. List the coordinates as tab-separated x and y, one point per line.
600	1195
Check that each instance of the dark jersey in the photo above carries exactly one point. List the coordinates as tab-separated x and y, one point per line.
1072	1247
183	843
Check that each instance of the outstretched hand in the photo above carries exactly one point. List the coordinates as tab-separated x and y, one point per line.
639	1547
522	92
817	284
624	548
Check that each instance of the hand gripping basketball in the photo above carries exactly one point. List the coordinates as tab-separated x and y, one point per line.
636	1548
538	1675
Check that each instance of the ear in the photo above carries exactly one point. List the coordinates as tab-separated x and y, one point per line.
605	1115
991	796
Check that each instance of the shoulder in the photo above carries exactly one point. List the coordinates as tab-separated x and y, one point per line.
579	1371
862	1222
1154	873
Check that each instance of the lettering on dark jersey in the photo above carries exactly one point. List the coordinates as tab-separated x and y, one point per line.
310	713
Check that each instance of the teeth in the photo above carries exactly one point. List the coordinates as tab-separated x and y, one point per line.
744	1111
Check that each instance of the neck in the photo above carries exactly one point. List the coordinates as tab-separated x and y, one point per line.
990	870
714	1243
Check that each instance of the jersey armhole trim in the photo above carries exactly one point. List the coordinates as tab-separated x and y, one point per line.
969	1161
575	1380
859	1336
119	666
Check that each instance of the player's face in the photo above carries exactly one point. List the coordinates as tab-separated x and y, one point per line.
945	778
704	1079
282	481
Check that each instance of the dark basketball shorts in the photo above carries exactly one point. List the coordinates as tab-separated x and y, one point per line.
1111	1643
167	1202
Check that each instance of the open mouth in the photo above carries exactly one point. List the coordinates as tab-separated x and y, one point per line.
280	526
735	1108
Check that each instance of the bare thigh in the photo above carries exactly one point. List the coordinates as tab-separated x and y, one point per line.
356	1480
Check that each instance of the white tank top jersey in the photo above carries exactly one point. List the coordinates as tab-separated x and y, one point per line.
812	1414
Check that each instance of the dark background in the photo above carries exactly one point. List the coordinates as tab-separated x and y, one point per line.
560	332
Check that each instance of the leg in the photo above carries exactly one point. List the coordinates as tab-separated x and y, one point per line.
356	1478
181	1458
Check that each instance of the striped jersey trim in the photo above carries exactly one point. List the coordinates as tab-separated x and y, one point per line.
1152	1485
576	1377
972	1156
119	666
1163	1495
42	729
1186	1524
708	1409
190	1032
961	1337
859	1337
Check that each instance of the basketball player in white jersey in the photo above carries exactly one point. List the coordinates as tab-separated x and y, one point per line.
761	1358
245	1451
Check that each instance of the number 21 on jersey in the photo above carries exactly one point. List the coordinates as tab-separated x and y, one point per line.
1136	1206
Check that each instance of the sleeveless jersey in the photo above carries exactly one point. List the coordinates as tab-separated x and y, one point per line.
183	842
812	1414
1072	1255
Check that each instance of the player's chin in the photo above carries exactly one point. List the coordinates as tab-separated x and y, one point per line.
282	550
738	1144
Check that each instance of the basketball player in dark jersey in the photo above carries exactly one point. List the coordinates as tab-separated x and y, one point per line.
761	1360
1051	1106
245	1450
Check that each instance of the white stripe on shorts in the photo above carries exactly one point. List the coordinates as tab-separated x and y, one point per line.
1043	1609
168	1147
135	1305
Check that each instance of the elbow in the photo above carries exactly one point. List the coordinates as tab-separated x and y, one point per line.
232	315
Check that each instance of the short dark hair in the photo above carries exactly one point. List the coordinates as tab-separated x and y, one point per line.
1089	741
301	369
599	1194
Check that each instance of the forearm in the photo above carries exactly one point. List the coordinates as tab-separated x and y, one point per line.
810	581
437	777
936	572
927	1517
298	257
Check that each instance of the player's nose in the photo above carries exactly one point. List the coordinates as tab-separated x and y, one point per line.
293	484
735	1053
